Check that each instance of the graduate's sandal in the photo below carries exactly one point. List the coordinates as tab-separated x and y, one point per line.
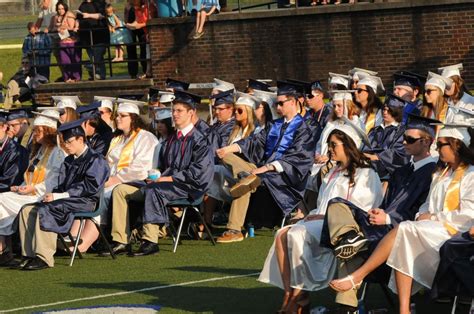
354	286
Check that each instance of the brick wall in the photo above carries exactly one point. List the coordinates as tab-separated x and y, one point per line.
416	35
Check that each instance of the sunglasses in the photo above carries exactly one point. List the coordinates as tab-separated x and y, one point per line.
440	144
239	111
333	145
281	103
429	91
410	140
360	90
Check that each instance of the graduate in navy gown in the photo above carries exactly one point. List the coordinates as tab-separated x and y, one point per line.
281	158
81	180
407	190
220	131
98	133
12	159
408	86
386	140
187	168
454	276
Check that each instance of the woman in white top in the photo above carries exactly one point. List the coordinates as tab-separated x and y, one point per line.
296	261
369	103
130	157
41	176
412	248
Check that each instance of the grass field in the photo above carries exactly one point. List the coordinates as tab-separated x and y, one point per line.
203	278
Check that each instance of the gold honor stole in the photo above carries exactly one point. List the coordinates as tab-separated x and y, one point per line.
37	176
370	122
452	199
441	117
126	154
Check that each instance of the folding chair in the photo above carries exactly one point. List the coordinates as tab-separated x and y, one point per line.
184	204
83	217
385	291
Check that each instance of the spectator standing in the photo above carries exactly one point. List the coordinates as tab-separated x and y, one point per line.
37	47
136	16
119	35
47	12
92	19
69	56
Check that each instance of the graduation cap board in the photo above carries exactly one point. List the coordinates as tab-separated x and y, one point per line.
129	106
373	82
451	70
269	97
338	95
439	81
162	113
358	73
258	85
222	86
67	101
354	132
246	100
186	98
89	111
421	123
71	129
339	79
286	88
176	85
47	117
393	101
406	80
14	114
226	97
106	102
456	130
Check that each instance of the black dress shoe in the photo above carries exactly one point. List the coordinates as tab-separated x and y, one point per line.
5	258
118	248
147	248
18	264
36	264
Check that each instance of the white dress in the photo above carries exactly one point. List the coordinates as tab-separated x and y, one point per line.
455	111
416	248
313	266
142	159
12	202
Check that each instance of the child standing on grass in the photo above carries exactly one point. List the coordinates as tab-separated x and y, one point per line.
205	9
119	34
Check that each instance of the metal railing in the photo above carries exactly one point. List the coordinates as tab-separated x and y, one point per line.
92	61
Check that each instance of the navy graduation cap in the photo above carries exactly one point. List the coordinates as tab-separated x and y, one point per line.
226	97
286	88
305	87
404	79
186	98
131	96
3	116
71	129
316	85
176	85
421	123
19	113
90	111
393	102
258	85
154	94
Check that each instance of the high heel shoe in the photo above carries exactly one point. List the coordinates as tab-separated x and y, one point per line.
286	300
354	286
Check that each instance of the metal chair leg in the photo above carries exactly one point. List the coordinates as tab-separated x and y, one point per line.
76	244
206	227
63	242
453	310
363	291
175	245
388	296
104	239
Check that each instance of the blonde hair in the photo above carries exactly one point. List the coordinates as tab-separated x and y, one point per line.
436	108
238	127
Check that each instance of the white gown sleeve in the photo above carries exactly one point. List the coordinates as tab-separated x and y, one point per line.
52	172
142	158
367	192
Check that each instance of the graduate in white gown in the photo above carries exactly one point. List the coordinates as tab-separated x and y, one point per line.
412	248
296	262
40	177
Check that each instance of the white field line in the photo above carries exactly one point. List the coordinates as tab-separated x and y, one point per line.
13	46
101	296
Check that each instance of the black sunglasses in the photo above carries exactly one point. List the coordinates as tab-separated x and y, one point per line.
440	144
429	91
360	90
410	140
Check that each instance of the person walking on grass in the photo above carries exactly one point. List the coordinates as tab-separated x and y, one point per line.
207	8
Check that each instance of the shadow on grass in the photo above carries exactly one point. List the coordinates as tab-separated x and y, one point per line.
214	270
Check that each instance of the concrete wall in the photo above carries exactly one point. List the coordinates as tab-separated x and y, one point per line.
416	35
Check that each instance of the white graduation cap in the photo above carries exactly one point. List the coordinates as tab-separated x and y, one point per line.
47	117
129	106
269	97
451	70
67	101
106	102
354	132
341	79
247	100
342	94
223	86
439	81
456	130
359	73
373	82
166	96
162	113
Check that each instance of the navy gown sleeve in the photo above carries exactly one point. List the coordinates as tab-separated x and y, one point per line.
392	156
406	192
253	147
10	166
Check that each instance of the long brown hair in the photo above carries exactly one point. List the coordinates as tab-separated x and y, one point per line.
352	110
356	159
464	152
436	108
458	88
49	139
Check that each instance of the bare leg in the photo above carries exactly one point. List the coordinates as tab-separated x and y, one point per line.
3	243
377	258
281	250
404	283
89	234
198	16
202	19
120	53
